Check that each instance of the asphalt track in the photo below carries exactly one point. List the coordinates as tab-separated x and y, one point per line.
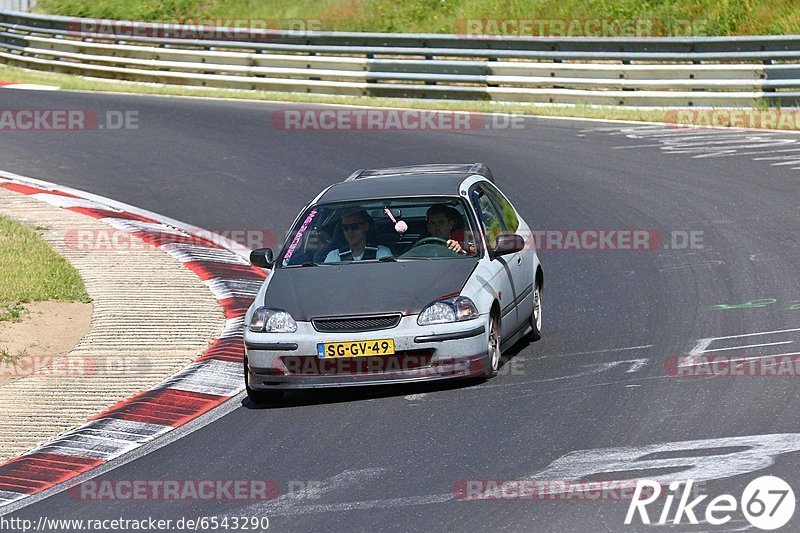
389	458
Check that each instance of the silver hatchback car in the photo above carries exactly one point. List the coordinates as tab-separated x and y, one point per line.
394	275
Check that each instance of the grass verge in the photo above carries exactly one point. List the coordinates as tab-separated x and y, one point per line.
30	270
547	17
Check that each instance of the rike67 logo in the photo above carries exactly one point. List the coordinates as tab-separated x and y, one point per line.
767	503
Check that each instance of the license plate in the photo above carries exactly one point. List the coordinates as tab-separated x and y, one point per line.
355	349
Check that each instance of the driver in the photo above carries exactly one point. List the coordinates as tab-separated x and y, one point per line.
355	225
441	221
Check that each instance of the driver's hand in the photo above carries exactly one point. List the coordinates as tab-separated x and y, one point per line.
455	246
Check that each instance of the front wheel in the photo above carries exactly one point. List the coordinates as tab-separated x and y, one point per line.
493	353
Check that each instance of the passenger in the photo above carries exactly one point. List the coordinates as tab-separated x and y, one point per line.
355	225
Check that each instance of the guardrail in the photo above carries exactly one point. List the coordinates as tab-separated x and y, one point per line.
710	71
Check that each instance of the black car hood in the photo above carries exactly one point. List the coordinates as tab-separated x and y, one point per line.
365	288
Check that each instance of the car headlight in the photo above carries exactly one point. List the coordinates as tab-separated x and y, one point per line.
272	321
448	310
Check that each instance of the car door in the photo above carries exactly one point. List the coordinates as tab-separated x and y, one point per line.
502	268
522	262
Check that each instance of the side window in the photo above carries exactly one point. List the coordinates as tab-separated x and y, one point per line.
489	216
510	220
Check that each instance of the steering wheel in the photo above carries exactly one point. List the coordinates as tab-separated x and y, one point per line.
430	240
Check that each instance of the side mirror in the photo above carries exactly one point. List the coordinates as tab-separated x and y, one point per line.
508	244
262	258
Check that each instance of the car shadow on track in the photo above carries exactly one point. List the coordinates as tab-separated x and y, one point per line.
298	398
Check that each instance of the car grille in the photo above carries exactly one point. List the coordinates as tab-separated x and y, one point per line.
354	324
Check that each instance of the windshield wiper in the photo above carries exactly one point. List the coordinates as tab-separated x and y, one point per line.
388	259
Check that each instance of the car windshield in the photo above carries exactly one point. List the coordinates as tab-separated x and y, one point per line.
388	230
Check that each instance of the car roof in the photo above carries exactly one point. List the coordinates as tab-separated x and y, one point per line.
418	180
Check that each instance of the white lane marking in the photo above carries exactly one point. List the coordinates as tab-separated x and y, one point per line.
700	143
723	141
794	161
753	358
752	334
694	353
642	347
596	368
674	132
748	346
777	151
723	152
526	392
637	365
691	459
287	504
415	396
368	504
636	146
704	153
701	345
670	268
693	357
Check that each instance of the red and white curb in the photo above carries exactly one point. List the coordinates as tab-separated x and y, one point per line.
203	385
28	86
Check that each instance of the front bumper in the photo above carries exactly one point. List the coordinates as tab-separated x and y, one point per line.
422	353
